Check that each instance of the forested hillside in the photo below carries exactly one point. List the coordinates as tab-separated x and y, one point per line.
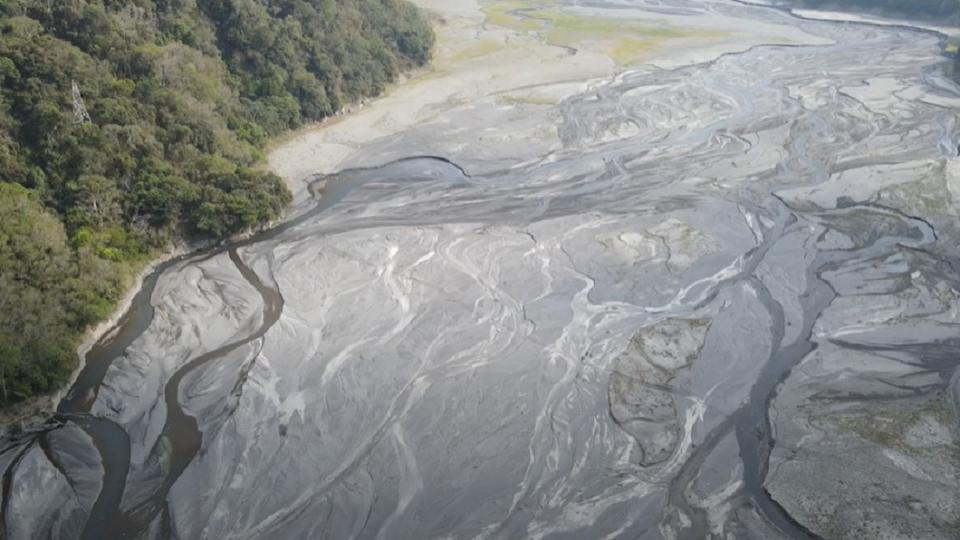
181	97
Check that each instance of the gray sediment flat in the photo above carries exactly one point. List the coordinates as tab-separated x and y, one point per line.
725	307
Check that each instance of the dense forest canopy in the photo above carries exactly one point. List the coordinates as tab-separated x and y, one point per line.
182	96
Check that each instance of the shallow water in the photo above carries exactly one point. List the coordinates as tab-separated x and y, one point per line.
426	353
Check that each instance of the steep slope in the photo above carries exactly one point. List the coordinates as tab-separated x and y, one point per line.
137	123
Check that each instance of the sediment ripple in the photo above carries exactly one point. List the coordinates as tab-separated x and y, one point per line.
426	352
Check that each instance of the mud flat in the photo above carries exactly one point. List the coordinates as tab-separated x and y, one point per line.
500	78
715	299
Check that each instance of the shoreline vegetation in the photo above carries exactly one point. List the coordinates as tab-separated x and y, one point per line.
129	127
228	112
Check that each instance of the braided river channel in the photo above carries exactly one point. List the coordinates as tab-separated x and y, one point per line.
724	306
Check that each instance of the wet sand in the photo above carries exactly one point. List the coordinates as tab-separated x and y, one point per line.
716	299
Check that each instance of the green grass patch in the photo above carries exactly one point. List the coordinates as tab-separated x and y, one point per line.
476	50
542	101
511	14
624	40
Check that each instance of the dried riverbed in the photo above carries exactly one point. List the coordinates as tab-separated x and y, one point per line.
724	304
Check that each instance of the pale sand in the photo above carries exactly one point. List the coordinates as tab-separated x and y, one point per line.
475	60
820	15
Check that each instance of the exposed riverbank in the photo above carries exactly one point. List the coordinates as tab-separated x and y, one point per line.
40	408
487	57
475	60
482	343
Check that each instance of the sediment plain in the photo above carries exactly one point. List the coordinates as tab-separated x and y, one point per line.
708	292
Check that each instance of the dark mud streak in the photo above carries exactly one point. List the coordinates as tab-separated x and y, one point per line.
113	444
113	345
940	358
676	494
181	439
109	438
54	460
753	428
751	422
8	484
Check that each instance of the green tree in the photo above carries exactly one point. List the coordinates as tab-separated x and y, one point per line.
37	273
183	94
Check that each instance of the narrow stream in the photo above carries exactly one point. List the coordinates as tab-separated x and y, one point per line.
420	352
181	438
